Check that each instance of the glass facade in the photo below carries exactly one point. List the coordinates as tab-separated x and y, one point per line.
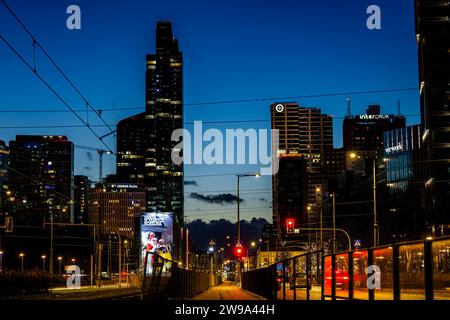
402	155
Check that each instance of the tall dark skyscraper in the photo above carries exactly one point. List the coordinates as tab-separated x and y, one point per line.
144	143
432	34
41	179
307	134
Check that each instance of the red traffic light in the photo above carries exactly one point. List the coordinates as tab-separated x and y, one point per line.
290	224
238	251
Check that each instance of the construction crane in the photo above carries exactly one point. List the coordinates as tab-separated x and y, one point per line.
100	152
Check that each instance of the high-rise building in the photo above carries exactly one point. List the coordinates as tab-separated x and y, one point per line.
431	21
4	159
403	161
302	130
306	133
144	143
290	191
41	179
364	133
81	199
116	206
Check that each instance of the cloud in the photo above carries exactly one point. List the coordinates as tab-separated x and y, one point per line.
222	199
190	183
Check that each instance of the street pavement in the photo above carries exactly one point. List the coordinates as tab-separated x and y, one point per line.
226	291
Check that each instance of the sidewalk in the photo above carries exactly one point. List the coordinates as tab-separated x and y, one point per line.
226	291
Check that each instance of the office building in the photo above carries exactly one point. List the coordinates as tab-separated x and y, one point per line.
364	133
4	159
41	179
81	199
144	143
431	24
308	133
114	207
403	159
290	191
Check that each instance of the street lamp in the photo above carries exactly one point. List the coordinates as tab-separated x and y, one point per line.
43	261
21	255
60	269
239	176
374	187
1	260
73	260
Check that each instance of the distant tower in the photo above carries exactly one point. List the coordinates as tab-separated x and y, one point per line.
349	110
398	108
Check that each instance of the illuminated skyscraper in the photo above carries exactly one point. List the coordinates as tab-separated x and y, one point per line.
432	34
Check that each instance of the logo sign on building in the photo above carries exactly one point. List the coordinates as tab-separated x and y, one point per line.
357	243
397	148
374	116
156	236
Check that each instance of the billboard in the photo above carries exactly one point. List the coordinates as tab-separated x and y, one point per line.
156	236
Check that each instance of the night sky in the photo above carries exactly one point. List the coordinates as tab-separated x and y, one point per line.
232	49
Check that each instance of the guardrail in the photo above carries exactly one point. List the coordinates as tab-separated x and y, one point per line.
417	270
164	279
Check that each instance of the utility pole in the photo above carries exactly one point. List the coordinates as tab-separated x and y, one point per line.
120	258
50	202
375	222
334	221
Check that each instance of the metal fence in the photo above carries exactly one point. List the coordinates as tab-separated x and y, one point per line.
297	278
165	279
418	270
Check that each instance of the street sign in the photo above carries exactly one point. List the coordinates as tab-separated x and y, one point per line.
296	230
357	243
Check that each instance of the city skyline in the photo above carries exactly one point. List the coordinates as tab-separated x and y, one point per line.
213	51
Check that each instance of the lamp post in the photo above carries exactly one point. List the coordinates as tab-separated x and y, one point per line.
376	231
21	255
60	268
43	257
50	203
1	260
239	176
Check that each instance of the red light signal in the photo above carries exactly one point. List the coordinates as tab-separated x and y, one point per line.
290	224
238	251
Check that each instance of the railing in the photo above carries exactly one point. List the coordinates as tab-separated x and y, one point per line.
164	279
418	270
297	278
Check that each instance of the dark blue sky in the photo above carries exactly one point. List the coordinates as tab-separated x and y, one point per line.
232	50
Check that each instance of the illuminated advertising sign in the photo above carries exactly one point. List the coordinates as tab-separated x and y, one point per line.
374	116
156	236
397	148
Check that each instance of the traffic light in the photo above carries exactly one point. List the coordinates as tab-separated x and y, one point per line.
8	224
238	251
290	224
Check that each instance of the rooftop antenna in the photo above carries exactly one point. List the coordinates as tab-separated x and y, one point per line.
398	107
349	112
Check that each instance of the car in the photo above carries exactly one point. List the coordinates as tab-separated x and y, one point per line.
105	276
